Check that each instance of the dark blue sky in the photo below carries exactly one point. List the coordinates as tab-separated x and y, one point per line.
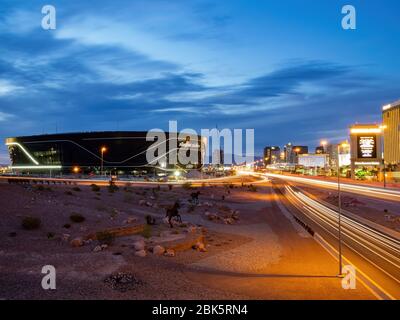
285	68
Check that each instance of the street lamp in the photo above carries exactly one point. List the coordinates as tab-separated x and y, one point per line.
383	127
344	145
103	149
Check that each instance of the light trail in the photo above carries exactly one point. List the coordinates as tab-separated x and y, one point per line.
363	190
377	248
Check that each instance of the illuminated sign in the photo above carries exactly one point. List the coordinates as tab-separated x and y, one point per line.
366	147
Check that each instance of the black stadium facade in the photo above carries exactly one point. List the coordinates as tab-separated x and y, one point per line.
122	152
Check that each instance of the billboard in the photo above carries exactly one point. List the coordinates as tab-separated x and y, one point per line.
313	160
366	146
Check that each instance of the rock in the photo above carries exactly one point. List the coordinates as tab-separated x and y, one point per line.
65	237
89	241
199	246
158	250
139	245
192	229
149	204
142	202
104	246
97	249
140	253
169	253
130	220
77	242
228	221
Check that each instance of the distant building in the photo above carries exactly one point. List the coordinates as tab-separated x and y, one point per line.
292	152
365	146
320	150
218	157
391	133
344	155
313	160
272	155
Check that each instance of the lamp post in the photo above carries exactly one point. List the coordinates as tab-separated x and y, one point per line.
340	208
383	127
103	149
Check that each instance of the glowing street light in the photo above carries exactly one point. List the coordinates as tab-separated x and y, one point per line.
342	145
103	149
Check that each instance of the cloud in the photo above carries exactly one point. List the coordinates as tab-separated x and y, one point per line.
7	88
5	116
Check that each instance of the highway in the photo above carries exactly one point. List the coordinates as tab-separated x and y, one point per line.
375	255
375	192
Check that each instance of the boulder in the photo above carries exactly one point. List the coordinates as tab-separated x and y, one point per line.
97	249
140	253
142	202
77	242
139	245
158	250
130	220
199	246
169	253
65	237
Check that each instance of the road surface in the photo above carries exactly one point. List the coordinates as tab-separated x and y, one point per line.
375	255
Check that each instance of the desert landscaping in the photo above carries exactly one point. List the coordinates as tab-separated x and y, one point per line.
116	242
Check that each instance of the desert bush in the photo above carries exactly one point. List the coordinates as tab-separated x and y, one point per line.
66	226
252	188
31	223
40	187
128	198
150	220
146	233
105	237
112	187
50	235
77	217
69	193
77	189
95	187
187	186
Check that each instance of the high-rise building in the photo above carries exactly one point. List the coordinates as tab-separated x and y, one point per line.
391	133
320	150
292	152
272	155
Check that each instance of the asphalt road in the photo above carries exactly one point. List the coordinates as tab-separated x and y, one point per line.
375	192
375	255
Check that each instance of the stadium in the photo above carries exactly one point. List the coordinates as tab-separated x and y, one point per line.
108	152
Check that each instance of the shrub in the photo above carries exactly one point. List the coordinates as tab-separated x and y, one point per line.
67	226
187	186
40	188
105	237
76	217
95	187
252	188
31	223
170	186
112	187
76	189
69	193
50	235
146	233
